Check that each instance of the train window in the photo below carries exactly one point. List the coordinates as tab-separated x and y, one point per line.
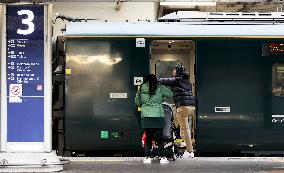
164	68
278	79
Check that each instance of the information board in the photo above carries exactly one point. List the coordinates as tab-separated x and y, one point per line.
25	73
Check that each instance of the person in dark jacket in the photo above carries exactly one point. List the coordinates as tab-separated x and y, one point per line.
150	98
185	103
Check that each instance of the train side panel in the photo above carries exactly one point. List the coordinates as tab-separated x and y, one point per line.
100	112
234	97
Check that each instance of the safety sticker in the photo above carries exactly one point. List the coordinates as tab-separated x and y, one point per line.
138	80
140	42
15	93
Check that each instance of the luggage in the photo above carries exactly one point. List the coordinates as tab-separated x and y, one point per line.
168	133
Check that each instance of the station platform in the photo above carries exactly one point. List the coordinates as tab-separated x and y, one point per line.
181	165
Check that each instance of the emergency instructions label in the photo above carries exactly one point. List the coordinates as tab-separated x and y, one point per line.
25	73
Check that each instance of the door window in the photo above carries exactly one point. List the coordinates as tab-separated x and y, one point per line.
164	68
278	79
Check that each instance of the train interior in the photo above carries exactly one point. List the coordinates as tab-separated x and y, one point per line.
165	54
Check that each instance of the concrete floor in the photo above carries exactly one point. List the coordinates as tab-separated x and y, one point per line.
202	165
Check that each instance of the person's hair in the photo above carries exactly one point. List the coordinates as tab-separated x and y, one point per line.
153	83
181	72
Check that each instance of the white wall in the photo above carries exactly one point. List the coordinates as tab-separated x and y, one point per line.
131	11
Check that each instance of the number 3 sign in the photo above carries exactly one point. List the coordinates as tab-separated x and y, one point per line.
27	21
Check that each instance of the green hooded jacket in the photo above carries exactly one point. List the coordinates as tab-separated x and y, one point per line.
151	107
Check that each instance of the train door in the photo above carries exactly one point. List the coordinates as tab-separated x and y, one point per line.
165	54
277	93
275	135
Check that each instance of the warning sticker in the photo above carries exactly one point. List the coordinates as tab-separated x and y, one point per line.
15	93
138	80
15	90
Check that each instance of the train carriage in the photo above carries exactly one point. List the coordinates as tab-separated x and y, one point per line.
236	68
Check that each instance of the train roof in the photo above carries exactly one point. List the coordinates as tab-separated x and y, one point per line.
152	29
231	17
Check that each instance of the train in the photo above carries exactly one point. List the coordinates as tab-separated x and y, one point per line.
235	63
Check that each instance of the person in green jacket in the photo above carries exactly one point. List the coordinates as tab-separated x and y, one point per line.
150	98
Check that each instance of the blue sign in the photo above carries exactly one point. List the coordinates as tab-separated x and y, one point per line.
25	73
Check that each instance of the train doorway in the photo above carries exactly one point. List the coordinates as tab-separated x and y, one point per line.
165	54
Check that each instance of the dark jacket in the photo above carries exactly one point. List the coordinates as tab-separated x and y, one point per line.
182	90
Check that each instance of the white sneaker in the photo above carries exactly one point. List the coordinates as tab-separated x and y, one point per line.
147	160
164	160
187	154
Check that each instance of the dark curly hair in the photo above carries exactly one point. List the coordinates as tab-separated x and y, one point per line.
181	72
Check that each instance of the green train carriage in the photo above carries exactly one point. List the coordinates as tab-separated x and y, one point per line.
237	72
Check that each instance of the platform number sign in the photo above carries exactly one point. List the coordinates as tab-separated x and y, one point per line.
28	21
25	72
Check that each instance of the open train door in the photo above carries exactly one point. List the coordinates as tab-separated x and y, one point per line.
165	54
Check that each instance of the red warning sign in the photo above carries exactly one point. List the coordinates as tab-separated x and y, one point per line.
16	90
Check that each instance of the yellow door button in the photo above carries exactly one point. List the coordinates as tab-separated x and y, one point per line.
68	71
